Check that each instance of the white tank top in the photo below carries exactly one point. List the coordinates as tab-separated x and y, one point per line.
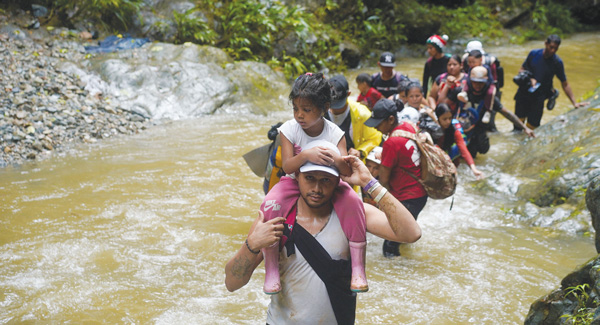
303	298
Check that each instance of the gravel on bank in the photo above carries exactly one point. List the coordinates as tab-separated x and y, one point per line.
43	110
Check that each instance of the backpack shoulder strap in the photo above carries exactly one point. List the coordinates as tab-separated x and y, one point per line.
400	77
403	134
375	76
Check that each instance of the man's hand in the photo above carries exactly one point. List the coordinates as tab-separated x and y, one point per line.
266	233
533	82
582	104
529	132
360	173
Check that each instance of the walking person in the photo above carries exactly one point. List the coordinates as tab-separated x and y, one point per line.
314	267
543	64
400	156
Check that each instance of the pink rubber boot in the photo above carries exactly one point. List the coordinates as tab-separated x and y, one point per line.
277	203
272	283
359	278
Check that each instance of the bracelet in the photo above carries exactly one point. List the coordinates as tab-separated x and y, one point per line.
379	196
250	249
373	188
370	183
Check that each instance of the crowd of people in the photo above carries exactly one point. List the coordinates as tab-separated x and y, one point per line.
337	170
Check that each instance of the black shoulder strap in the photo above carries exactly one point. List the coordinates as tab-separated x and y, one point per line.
346	128
336	274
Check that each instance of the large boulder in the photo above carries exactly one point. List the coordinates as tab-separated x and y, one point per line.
592	200
161	80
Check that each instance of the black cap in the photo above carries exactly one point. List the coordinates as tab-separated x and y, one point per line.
339	91
387	59
383	109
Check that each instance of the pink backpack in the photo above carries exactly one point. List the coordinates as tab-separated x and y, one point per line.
438	173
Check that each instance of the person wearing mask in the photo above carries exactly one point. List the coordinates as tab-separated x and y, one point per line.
350	116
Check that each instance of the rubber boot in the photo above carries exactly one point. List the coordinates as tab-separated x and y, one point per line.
358	252
391	248
272	283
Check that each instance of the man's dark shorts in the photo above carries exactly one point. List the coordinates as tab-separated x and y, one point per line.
530	106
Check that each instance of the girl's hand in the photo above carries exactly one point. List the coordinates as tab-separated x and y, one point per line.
354	152
478	174
320	156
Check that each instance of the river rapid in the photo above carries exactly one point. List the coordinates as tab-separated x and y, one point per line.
138	229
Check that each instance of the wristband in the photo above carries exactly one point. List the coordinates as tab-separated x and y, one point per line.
377	198
250	249
370	183
373	188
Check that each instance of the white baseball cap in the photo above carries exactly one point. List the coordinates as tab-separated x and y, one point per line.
371	155
309	167
474	45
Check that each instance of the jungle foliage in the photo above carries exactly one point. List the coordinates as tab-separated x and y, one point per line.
296	40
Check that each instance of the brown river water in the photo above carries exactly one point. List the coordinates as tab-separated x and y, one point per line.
138	229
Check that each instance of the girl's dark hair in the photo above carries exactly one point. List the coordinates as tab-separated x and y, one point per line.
315	88
364	77
403	86
413	85
456	58
440	110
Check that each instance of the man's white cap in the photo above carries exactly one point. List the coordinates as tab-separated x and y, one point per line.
371	155
474	45
309	167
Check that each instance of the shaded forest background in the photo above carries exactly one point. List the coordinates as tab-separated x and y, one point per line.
315	35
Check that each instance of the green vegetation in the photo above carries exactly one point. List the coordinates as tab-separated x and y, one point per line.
296	40
550	174
254	30
112	14
583	313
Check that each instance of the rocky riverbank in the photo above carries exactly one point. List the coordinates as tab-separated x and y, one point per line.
43	110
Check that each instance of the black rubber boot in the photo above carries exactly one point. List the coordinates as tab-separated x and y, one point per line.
391	248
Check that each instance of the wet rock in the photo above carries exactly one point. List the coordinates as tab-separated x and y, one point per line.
592	200
551	308
554	169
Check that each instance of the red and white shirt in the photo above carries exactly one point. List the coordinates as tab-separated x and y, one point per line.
401	154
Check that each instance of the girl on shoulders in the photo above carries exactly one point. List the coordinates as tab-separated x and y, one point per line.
311	98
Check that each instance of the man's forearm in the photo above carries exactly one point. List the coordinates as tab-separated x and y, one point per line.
401	221
239	269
